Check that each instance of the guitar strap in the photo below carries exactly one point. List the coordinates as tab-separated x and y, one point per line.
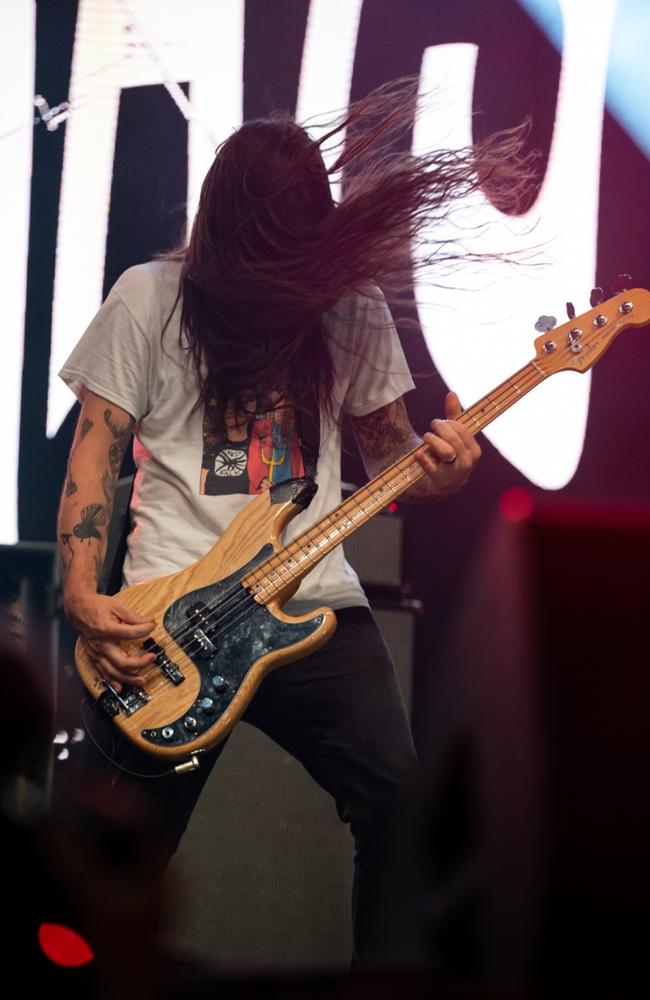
110	579
308	421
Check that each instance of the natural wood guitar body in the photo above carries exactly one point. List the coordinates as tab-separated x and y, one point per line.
219	623
171	718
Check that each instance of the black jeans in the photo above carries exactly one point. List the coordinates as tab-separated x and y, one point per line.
341	713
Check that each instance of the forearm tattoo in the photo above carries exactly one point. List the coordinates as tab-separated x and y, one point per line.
384	435
66	552
108	485
94	517
121	439
99	563
70	485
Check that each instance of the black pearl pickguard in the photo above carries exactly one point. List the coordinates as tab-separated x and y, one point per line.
235	631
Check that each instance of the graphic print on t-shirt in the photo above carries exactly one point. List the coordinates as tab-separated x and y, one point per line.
250	449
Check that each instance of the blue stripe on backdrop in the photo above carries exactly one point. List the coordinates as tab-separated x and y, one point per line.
628	80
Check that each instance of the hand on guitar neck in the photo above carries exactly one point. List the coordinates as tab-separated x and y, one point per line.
386	434
453	453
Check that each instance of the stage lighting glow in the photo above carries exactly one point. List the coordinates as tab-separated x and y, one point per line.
327	65
63	946
628	77
475	339
480	326
516	504
134	43
17	52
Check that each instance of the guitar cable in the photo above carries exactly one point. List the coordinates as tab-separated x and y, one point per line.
183	768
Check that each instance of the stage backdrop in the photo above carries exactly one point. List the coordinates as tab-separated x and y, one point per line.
111	113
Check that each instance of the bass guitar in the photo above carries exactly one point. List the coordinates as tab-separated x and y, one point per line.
220	625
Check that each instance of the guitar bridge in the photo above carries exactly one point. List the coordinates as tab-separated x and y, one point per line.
129	701
168	668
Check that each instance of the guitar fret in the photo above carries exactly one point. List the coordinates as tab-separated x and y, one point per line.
289	565
329	534
337	525
508	393
302	551
297	558
320	539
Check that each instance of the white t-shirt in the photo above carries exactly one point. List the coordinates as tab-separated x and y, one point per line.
190	484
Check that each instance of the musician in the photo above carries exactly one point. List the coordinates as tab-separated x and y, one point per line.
232	362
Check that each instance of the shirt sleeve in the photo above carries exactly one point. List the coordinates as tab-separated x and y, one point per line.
112	358
379	373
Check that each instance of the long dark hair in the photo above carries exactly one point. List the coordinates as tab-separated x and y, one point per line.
270	252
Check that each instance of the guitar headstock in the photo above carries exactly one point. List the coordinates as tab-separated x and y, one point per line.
578	344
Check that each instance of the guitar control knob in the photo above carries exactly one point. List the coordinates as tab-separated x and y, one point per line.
207	705
190	723
168	733
219	683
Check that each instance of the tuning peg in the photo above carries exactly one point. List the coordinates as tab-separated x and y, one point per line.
621	283
571	310
596	297
545	323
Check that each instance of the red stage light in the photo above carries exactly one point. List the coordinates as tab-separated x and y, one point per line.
516	504
392	507
64	946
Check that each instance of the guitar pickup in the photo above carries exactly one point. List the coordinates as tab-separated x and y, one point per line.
168	668
206	648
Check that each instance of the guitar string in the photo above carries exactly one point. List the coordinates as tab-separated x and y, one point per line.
246	598
522	382
238	594
235	595
529	376
244	603
159	681
277	562
243	599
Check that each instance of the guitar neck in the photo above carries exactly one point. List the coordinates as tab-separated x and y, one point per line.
291	563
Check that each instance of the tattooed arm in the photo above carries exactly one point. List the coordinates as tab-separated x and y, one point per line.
102	434
386	434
